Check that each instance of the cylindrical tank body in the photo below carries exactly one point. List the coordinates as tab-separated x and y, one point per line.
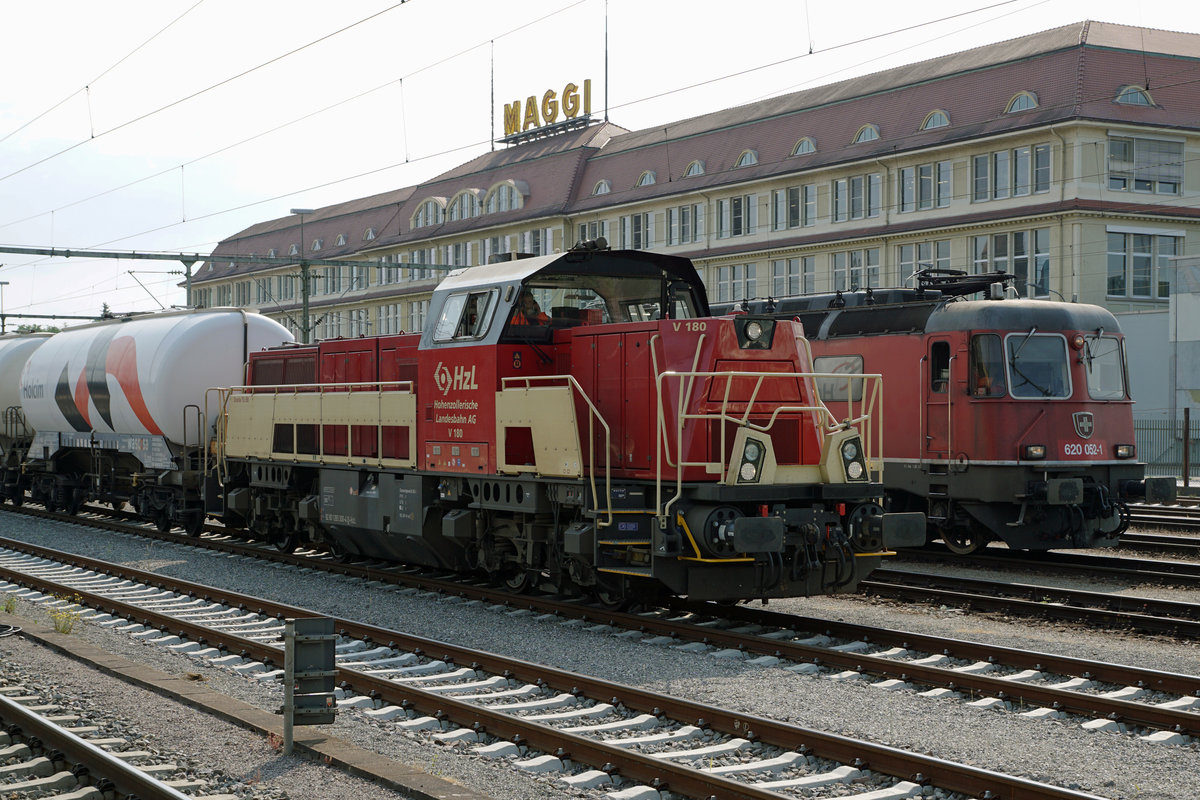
138	375
15	350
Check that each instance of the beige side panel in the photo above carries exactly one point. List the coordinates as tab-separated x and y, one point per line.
549	413
250	423
302	408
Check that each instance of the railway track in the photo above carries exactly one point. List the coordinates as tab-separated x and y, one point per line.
548	718
1183	515
48	753
958	659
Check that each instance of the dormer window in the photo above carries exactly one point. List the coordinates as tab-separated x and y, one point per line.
936	119
867	133
693	169
272	253
505	196
369	234
341	240
647	178
601	187
1133	96
429	212
804	147
465	205
748	158
294	250
1022	101
317	244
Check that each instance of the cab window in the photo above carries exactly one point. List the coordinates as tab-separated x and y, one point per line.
987	366
465	316
838	388
939	367
1037	366
1104	366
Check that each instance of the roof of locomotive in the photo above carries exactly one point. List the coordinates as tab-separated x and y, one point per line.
597	262
898	311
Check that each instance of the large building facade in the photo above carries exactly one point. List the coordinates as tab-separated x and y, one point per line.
1065	158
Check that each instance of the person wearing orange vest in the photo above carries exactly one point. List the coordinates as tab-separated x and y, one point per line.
528	312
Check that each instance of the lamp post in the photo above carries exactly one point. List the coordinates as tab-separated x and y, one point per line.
304	277
2	285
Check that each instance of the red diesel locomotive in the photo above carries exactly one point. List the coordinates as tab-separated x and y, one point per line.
576	421
1008	419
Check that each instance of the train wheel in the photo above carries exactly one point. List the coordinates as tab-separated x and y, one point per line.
283	540
963	539
73	501
162	521
193	523
517	582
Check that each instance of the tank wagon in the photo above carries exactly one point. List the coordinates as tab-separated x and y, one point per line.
576	421
15	432
1008	419
118	409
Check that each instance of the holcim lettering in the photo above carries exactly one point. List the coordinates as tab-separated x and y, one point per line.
517	122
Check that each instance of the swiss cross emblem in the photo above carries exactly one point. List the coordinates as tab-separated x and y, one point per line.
1084	424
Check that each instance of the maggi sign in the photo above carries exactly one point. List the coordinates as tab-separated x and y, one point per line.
520	117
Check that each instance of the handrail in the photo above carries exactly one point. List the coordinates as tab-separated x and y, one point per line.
865	417
593	415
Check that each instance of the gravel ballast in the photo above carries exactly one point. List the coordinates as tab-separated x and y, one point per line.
1056	751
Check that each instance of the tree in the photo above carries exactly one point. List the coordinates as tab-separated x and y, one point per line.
31	328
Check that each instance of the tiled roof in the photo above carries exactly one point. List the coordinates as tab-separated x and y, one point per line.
1074	71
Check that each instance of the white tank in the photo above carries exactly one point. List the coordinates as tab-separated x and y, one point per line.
137	376
15	350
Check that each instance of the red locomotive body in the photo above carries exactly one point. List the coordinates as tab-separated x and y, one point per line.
1008	419
619	442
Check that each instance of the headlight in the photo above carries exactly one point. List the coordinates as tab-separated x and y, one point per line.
752	451
754	331
854	470
1126	451
850	451
748	472
1033	452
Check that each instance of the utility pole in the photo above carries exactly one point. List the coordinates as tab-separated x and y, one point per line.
305	275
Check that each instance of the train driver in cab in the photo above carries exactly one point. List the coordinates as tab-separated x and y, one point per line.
528	312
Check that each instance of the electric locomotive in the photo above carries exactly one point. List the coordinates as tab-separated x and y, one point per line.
1008	419
576	421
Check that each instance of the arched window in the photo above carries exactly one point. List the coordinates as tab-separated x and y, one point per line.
804	147
1022	101
647	178
503	196
936	119
317	244
1134	96
341	239
430	212
867	133
601	187
272	253
464	205
748	158
369	234
294	250
693	169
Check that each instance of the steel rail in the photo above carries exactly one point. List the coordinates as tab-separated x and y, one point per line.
1061	699
125	778
1156	570
643	768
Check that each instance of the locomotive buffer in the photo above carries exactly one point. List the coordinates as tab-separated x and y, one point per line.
308	673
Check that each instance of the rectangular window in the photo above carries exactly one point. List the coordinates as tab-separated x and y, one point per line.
838	388
855	269
913	258
685	224
857	197
737	216
981	178
1001	174
925	186
636	233
1018	172
1023	254
785	277
736	282
1145	165
1022	172
793	207
1041	168
1139	265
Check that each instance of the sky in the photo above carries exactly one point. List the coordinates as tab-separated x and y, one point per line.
169	125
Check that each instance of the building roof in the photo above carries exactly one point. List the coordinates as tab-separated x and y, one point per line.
1073	71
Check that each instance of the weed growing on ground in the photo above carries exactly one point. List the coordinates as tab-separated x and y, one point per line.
10	603
64	619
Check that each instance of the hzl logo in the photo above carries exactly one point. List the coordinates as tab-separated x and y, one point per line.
1085	424
463	378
